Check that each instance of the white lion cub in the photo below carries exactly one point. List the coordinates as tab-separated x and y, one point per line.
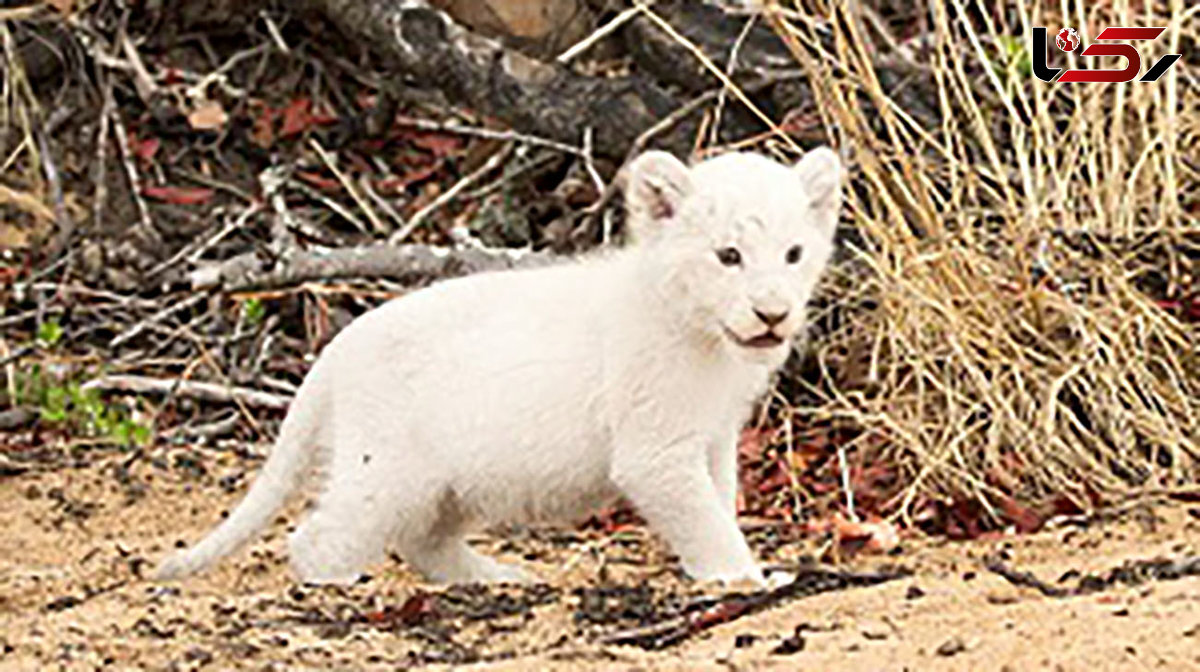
538	395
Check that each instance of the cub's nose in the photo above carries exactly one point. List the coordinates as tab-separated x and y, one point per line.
771	318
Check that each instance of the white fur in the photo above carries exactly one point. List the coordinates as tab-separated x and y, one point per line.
538	395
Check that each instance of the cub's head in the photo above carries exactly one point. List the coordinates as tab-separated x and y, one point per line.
741	240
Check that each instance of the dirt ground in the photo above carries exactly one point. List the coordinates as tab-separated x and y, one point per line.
76	541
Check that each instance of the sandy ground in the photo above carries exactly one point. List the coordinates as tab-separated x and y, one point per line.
76	541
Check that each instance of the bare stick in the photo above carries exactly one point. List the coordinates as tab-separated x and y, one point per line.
407	264
450	194
598	34
487	133
135	181
211	392
376	222
727	608
171	309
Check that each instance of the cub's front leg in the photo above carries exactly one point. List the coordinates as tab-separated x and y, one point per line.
673	489
722	468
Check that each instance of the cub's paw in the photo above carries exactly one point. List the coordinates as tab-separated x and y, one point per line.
749	579
506	573
778	578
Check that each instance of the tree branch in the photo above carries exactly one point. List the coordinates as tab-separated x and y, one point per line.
407	264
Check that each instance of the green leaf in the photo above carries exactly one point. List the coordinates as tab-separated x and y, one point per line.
254	311
141	435
49	333
53	415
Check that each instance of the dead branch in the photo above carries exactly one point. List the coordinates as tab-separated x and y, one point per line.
534	97
407	264
1129	573
808	581
210	392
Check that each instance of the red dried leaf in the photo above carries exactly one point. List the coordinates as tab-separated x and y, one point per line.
263	132
1024	518
378	616
319	181
144	149
179	195
415	608
775	481
297	117
752	443
722	612
877	536
322	118
438	144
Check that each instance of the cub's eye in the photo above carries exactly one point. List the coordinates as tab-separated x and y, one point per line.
793	254
729	256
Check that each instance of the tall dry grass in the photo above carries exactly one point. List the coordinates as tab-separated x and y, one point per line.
1015	236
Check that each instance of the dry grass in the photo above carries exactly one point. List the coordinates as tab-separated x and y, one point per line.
22	188
1013	349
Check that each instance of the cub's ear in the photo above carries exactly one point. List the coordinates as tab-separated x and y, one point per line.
820	173
656	186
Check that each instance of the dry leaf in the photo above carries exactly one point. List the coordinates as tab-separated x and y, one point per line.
263	134
877	536
64	7
296	117
144	149
179	195
209	116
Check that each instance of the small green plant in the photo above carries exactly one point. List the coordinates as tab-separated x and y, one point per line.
1014	59
85	412
254	310
63	403
49	334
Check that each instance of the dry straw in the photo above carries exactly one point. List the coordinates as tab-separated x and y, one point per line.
1013	232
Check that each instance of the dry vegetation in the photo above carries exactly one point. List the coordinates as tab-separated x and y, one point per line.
1021	258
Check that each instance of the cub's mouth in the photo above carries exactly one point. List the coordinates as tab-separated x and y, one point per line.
767	339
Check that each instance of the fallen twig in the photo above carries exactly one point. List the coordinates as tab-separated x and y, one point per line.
485	133
809	581
450	194
211	392
1129	573
407	264
169	310
376	223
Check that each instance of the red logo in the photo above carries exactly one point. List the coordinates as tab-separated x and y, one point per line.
1068	40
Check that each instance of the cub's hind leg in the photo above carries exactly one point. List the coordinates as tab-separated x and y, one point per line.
366	494
450	559
441	554
345	532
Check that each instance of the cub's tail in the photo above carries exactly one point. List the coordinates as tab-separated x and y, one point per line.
288	461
